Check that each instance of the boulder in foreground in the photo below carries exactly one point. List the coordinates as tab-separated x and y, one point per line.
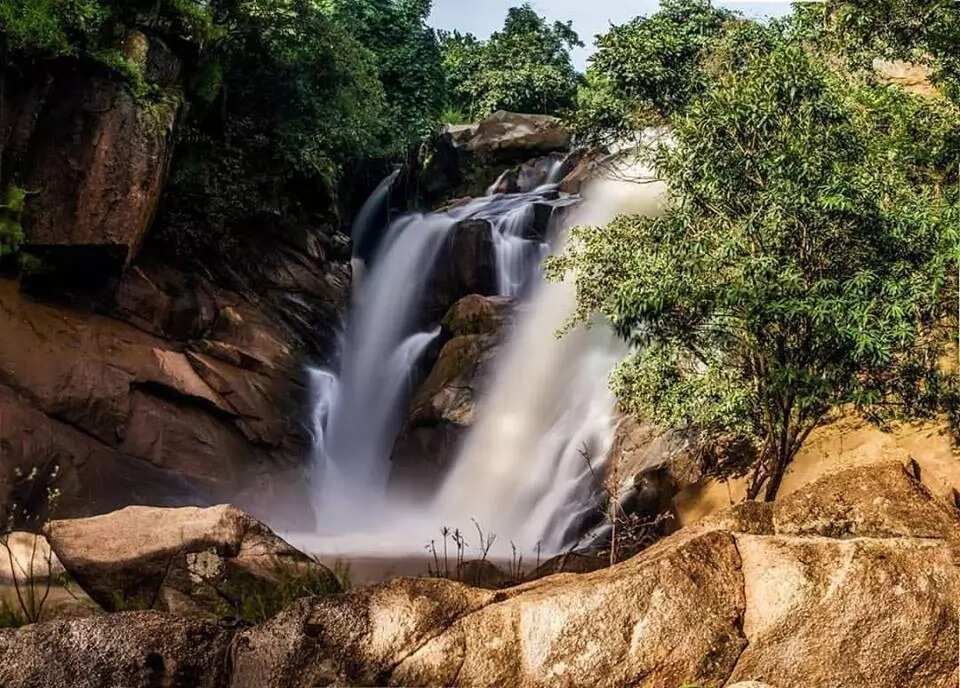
215	561
852	581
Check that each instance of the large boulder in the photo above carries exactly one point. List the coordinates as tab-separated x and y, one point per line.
133	650
95	159
466	159
444	406
466	264
188	560
513	133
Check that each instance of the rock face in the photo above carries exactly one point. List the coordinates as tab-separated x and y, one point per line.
444	406
852	581
142	649
465	158
189	561
146	381
168	421
84	137
466	265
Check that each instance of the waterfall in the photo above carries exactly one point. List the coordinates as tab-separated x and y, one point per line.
529	467
522	471
359	412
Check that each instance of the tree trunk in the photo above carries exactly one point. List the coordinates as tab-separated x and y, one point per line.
776	478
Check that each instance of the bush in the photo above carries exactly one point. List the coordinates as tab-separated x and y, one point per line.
291	584
11	212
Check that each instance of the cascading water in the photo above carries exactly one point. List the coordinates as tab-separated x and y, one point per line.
358	413
521	471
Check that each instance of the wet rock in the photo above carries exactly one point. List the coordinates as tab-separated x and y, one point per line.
138	650
466	265
580	167
444	405
475	314
190	561
530	174
442	410
466	159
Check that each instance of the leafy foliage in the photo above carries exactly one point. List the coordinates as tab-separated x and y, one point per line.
11	211
920	31
647	69
798	267
94	29
279	106
408	59
525	67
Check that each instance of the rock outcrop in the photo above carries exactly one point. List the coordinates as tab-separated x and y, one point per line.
189	561
852	581
444	405
142	378
134	650
92	157
465	159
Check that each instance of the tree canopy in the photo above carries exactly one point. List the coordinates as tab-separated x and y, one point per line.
798	267
647	69
524	67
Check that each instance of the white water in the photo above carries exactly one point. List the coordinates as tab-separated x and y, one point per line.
522	472
359	412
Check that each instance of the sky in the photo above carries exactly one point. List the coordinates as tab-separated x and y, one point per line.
590	17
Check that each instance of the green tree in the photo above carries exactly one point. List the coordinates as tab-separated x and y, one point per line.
647	69
799	265
408	57
525	67
280	104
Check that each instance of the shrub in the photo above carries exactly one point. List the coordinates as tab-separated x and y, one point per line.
11	212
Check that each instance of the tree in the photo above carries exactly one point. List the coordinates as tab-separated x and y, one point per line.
799	265
525	67
920	31
279	103
646	70
409	61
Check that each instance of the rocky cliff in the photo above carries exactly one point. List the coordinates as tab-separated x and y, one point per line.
144	377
